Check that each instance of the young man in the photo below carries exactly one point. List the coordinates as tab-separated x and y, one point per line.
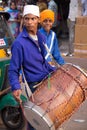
47	20
28	51
14	20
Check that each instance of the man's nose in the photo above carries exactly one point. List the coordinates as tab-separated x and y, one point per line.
29	21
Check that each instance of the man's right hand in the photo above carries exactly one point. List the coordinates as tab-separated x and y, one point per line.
17	94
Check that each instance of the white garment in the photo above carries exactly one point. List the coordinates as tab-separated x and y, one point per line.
51	46
73	12
84	7
53	6
83	1
31	9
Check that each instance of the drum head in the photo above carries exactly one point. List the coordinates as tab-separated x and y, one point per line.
37	117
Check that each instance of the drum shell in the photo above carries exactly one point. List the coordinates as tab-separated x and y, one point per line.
64	94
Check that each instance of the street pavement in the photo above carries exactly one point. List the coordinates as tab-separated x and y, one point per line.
78	121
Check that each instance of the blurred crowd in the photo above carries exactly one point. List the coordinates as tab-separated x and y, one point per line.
61	9
65	13
15	8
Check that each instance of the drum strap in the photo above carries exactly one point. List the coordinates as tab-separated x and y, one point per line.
47	49
51	45
27	88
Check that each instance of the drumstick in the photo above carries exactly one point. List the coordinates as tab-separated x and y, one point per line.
47	49
35	86
21	106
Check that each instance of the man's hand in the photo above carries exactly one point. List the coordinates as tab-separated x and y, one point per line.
17	94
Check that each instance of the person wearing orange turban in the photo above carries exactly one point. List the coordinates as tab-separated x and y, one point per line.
46	21
47	14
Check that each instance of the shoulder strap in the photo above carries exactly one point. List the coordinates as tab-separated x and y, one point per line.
27	88
50	45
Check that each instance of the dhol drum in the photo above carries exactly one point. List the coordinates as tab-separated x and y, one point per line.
56	98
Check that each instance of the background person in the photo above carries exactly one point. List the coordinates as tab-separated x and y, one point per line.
53	6
73	13
84	7
47	20
42	5
14	20
63	12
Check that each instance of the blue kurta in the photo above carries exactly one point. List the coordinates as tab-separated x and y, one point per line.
52	44
26	53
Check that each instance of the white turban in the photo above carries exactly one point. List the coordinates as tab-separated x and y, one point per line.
31	9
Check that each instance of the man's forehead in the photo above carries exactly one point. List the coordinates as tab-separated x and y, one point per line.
30	16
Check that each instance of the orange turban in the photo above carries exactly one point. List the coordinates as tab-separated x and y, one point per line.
46	14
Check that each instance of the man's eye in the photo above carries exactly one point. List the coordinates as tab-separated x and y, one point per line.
46	20
33	18
26	19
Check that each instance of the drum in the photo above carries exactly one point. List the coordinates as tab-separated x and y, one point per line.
56	98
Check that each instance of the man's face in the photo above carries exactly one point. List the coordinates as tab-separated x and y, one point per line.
31	21
47	24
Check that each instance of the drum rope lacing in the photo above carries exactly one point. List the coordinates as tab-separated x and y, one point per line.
68	97
66	94
77	79
70	76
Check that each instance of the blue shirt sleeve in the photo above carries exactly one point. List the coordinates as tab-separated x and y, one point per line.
56	53
15	66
